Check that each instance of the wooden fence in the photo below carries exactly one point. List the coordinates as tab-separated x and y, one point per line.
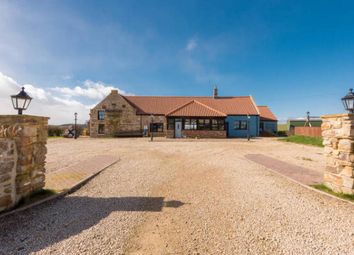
308	131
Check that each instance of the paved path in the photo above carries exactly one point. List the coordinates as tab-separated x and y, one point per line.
301	174
193	197
68	177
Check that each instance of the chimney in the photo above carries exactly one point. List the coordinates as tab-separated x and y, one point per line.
215	92
114	91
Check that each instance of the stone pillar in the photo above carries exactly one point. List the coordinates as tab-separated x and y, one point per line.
338	139
22	157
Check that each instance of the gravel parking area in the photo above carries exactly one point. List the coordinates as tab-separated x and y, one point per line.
183	197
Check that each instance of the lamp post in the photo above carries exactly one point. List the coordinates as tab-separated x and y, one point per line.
348	101
75	134
248	127
151	128
21	101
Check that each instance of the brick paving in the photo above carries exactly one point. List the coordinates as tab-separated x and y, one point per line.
68	177
298	173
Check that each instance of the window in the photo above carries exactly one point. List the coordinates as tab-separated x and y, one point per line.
101	115
217	124
190	124
240	125
156	127
100	129
171	124
204	124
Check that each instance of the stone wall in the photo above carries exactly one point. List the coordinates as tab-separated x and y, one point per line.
338	139
22	157
120	117
8	160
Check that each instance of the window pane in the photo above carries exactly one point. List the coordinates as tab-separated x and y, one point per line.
101	115
237	124
187	124
171	124
193	124
101	129
243	124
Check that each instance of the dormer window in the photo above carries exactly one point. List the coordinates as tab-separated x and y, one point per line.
100	115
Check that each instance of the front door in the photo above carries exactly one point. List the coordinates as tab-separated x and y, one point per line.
178	128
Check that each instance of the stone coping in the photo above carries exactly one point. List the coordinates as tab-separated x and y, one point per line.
24	116
338	115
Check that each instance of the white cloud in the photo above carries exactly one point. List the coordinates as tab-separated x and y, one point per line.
90	89
191	45
59	106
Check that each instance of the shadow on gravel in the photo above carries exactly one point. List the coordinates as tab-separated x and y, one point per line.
42	226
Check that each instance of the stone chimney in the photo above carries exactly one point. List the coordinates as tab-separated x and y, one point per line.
215	92
114	91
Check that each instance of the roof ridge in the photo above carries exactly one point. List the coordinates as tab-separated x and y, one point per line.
219	97
255	105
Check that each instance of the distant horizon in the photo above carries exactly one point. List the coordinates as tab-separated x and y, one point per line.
291	56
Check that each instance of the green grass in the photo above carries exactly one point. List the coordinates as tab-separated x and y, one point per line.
54	137
316	141
324	188
36	196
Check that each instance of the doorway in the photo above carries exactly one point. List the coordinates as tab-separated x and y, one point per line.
178	128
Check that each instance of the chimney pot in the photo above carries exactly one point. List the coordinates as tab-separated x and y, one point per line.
114	91
215	92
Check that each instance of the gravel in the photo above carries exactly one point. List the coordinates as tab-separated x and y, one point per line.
183	197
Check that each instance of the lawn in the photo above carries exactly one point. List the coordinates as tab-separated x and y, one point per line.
316	141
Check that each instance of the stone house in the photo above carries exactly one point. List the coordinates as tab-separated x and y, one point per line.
175	117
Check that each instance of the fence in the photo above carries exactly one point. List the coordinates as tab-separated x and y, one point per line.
308	131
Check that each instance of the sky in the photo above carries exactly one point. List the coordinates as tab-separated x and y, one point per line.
294	56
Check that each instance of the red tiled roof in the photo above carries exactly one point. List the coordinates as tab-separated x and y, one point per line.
195	109
266	113
162	105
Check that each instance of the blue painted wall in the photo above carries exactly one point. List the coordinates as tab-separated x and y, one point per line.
253	128
270	126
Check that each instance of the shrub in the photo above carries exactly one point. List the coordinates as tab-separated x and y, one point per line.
55	131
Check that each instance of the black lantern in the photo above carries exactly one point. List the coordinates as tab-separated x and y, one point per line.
21	101
348	101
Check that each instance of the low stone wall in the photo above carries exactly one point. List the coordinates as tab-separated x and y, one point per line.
22	157
204	133
338	139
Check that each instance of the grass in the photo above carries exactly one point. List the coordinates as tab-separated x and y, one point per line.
324	188
36	196
54	137
316	141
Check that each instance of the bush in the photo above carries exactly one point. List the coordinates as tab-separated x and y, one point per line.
282	133
55	131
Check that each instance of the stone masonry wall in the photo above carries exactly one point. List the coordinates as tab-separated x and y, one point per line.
120	117
8	160
338	139
22	157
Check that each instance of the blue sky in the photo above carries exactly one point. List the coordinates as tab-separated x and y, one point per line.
291	55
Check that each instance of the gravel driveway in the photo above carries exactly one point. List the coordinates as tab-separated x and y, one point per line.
183	197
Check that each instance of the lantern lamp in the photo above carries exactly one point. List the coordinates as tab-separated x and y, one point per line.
348	101
21	101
